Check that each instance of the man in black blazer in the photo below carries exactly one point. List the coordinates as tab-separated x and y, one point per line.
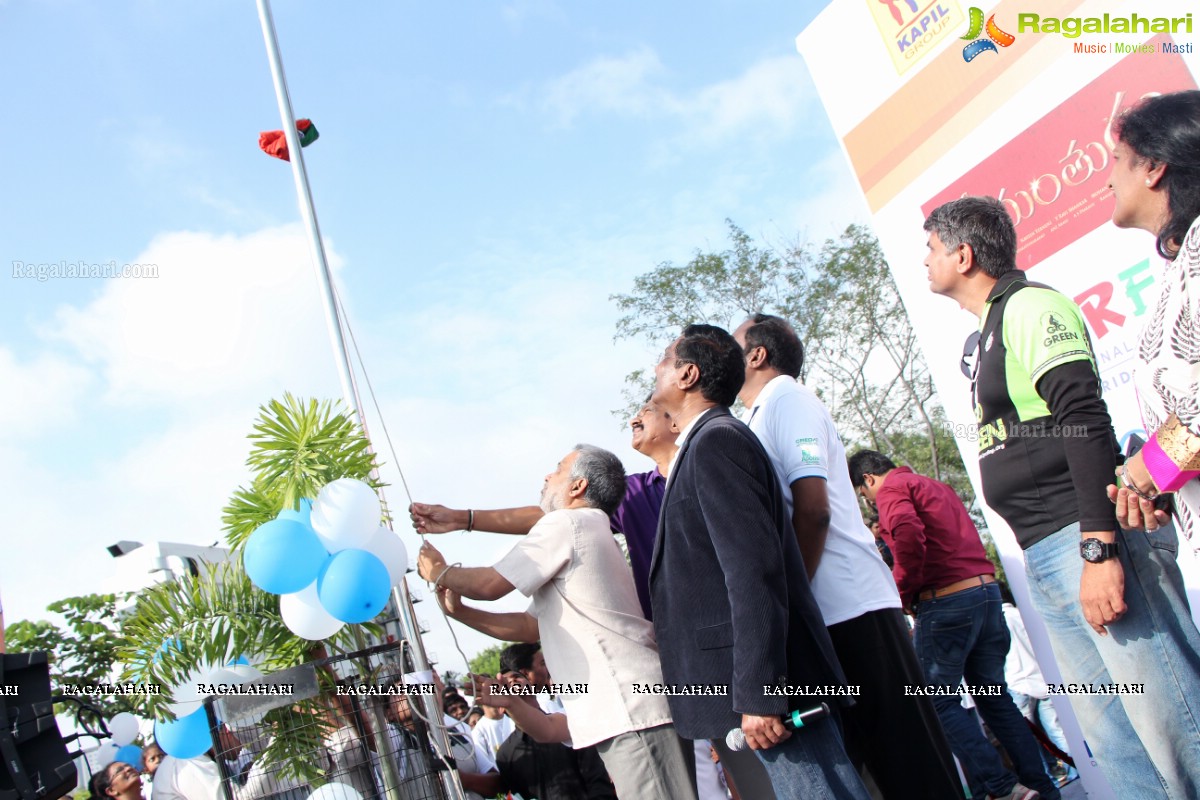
732	604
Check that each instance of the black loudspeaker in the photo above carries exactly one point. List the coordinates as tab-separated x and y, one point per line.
36	765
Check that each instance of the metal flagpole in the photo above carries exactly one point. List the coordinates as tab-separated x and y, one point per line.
400	594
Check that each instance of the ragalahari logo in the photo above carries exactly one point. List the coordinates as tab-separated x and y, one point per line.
995	36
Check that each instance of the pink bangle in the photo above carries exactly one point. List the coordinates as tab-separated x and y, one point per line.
1167	475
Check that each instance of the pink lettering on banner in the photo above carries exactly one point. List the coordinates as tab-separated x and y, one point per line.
1094	305
1053	176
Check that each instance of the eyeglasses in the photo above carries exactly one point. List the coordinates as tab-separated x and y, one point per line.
970	348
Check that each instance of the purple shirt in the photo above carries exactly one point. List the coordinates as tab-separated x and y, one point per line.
637	518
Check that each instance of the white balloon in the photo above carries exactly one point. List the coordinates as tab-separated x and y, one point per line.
124	728
345	514
388	548
335	791
225	675
186	695
304	615
105	753
245	672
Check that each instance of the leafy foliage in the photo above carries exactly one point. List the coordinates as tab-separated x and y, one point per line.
179	626
861	353
85	653
297	732
298	448
487	661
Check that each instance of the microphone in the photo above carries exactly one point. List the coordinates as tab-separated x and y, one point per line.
735	740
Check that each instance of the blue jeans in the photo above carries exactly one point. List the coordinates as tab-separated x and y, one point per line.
813	763
1154	645
961	636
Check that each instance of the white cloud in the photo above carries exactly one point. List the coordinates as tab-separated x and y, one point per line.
228	318
620	84
175	369
518	12
832	202
39	394
768	99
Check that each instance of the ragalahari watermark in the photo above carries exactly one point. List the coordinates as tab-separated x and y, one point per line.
82	269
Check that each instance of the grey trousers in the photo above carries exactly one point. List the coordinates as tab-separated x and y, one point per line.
653	763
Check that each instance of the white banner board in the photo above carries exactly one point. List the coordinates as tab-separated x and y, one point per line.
936	100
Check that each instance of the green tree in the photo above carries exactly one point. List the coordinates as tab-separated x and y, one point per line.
487	661
298	448
861	354
84	652
182	626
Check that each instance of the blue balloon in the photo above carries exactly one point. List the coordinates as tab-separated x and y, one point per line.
302	516
130	754
186	737
353	585
283	556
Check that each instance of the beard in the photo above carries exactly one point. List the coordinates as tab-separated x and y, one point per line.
550	501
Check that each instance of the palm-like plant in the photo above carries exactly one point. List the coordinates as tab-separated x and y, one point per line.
298	448
182	626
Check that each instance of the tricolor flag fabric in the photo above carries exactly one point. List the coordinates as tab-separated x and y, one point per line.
274	143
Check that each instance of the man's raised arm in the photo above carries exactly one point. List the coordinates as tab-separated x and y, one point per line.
432	518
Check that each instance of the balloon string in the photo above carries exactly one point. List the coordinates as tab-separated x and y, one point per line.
374	400
345	320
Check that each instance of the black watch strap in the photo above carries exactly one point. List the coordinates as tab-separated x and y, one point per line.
1095	551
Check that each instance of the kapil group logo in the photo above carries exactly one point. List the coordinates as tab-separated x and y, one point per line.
995	36
911	28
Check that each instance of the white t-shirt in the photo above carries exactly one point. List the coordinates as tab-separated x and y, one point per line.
799	435
1021	670
414	769
187	779
549	704
490	733
593	633
468	754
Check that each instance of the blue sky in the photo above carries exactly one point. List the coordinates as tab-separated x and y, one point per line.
486	177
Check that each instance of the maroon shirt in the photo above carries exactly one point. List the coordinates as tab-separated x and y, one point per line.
933	540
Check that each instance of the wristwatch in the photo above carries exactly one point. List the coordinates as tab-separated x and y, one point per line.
1095	551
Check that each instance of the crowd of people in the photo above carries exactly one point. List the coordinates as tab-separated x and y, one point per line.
751	569
753	591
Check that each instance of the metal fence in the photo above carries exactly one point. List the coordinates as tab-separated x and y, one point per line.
342	728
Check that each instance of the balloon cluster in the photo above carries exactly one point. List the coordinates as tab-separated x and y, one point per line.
188	735
124	729
331	560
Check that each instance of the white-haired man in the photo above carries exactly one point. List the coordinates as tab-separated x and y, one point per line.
586	614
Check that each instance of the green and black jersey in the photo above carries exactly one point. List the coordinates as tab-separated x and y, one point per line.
1046	444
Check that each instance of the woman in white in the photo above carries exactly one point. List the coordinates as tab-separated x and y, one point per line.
1156	183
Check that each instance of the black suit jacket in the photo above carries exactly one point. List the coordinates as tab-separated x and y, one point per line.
732	603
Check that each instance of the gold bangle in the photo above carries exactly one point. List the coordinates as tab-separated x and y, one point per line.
1179	444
